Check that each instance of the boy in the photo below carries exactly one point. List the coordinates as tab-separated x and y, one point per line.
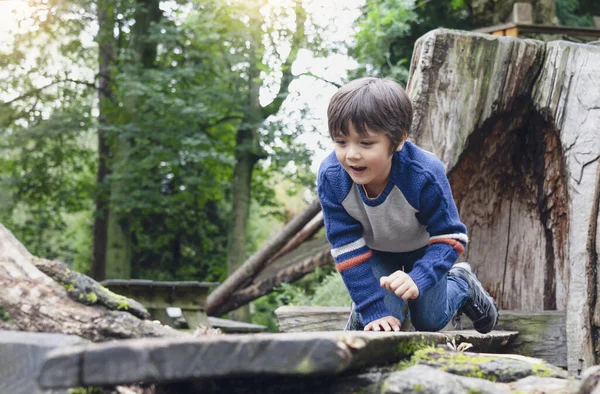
390	217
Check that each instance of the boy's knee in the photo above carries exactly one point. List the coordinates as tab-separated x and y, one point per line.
430	323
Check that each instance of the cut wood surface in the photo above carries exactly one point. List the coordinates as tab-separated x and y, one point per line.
174	359
32	301
541	334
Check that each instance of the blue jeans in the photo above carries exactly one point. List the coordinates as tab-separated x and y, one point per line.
434	308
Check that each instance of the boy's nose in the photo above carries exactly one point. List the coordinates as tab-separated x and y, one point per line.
352	154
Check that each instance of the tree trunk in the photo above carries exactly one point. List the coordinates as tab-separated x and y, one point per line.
516	127
248	149
106	52
120	243
242	178
32	301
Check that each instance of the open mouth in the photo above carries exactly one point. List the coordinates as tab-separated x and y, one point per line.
357	169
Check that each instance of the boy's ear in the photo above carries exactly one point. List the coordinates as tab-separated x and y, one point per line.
399	148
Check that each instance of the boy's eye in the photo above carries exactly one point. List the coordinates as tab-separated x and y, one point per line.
367	143
340	142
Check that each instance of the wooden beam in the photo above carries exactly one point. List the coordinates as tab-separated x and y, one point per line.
542	334
247	271
512	32
286	269
542	29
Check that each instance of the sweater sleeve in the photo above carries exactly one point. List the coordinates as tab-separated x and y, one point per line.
351	254
448	235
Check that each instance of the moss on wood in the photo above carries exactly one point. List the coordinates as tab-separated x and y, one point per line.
486	367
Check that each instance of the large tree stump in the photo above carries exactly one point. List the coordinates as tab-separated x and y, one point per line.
32	301
516	124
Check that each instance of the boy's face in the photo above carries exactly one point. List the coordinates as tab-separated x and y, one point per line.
367	159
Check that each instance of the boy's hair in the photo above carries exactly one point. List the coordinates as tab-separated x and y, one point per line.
380	104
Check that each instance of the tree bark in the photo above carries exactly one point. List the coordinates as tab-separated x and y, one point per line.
32	301
516	127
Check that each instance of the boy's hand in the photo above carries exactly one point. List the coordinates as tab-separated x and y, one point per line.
388	323
401	284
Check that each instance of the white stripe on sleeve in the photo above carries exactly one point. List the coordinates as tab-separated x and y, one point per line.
459	237
359	243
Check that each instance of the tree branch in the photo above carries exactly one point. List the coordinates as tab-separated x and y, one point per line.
309	74
286	67
38	90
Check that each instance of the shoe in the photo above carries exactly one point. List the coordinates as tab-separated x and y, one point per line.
480	306
353	324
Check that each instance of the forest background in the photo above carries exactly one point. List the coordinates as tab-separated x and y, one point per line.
168	140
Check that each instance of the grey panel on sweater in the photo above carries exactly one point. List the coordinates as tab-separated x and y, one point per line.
391	226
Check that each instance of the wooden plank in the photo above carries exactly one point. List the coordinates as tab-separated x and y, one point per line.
235	327
512	32
311	318
542	334
494	28
22	354
543	29
156	294
167	360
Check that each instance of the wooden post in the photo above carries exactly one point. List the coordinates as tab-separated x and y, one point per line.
522	13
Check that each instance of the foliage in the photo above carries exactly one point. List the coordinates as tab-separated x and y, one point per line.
172	124
388	30
46	165
382	25
577	12
3	315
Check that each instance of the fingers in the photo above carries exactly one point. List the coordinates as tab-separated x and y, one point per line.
387	281
400	284
388	323
407	291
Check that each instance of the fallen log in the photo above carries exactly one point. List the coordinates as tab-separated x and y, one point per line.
285	269
216	301
85	290
542	334
32	301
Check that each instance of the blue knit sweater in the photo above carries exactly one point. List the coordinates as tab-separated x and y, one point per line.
415	209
